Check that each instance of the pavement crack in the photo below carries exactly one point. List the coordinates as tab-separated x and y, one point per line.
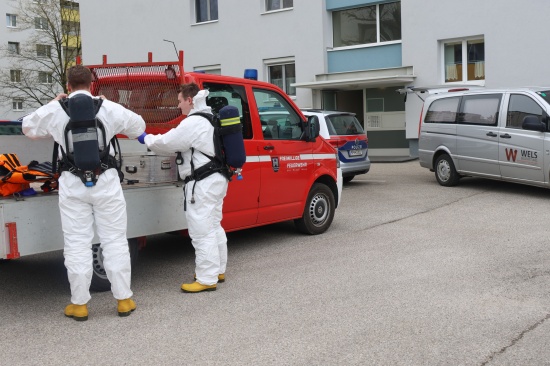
425	211
515	340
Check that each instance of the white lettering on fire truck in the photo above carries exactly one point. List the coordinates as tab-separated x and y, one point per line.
293	157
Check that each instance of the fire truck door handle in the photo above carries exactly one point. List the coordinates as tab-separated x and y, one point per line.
491	134
506	136
269	147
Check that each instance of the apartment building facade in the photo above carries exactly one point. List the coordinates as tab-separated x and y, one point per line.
490	43
343	55
336	54
41	38
12	37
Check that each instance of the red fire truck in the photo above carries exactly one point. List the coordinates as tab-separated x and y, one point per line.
290	172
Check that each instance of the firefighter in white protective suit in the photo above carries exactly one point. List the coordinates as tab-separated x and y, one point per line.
80	205
203	196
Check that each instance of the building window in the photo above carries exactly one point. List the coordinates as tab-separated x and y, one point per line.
17	104
271	5
41	23
70	53
206	10
13	47
15	76
69	4
11	20
212	69
71	28
283	75
367	25
45	77
43	50
464	60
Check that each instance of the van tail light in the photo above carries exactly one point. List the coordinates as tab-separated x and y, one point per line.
337	142
420	121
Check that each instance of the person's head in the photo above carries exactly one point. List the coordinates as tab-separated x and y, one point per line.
79	78
185	97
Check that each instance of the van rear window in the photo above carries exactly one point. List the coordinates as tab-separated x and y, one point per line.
443	111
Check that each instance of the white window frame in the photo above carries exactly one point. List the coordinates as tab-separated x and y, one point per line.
464	42
281	8
374	44
17	104
280	62
16	45
15	76
41	23
210	69
11	20
194	13
47	48
45	77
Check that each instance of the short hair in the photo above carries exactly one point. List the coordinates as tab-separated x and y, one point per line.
189	90
79	77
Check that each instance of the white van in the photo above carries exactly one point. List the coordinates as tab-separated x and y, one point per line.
496	134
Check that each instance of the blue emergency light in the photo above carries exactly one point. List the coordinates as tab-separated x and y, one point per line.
251	74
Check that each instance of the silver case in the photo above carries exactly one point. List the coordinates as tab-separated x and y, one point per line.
149	168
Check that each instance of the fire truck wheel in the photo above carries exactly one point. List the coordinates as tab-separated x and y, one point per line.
318	212
100	282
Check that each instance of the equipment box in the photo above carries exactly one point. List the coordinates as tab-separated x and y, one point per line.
149	168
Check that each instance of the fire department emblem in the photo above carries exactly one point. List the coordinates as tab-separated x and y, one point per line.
275	164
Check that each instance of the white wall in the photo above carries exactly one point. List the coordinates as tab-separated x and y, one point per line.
516	43
243	37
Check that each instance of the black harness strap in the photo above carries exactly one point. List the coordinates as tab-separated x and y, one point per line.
107	161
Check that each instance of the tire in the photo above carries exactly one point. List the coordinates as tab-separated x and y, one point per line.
348	178
100	282
445	171
318	211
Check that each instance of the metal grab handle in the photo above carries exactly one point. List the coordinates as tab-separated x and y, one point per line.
131	169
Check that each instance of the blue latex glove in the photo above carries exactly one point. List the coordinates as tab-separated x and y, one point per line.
141	137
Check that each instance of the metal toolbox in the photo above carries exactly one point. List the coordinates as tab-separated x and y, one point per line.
149	168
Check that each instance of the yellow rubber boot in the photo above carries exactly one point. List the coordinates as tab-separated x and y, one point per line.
221	277
197	287
125	307
77	312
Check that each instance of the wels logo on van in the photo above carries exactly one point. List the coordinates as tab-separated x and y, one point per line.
525	155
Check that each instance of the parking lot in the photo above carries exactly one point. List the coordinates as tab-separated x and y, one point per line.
410	273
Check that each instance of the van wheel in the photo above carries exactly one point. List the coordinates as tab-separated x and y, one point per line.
100	282
318	212
445	171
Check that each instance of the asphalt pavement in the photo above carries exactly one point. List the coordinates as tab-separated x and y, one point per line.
410	273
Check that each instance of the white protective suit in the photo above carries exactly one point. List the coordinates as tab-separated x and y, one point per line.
205	215
80	206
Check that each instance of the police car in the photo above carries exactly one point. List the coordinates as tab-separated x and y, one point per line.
343	131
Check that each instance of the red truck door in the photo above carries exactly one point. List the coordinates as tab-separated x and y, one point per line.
240	207
285	159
